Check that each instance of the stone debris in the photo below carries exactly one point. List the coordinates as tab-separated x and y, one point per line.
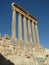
23	54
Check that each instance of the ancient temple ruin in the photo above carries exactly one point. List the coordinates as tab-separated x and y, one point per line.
23	52
32	33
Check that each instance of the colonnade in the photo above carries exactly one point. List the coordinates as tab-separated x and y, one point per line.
31	34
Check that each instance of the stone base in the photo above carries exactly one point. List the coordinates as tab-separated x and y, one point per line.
22	53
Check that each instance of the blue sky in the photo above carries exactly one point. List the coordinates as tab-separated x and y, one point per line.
38	8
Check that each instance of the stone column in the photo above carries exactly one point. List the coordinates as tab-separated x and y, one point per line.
36	33
13	23
25	29
29	31
19	27
33	33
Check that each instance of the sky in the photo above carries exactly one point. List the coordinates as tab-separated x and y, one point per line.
38	8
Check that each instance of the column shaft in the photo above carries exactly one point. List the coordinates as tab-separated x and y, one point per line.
13	24
36	32
19	27
29	31
25	30
33	33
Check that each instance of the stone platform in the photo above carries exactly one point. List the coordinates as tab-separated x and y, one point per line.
22	53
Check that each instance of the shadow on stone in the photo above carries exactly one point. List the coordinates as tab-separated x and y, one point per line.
4	61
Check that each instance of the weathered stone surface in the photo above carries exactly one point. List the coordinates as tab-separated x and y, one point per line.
21	53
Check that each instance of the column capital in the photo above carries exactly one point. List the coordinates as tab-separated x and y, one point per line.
13	8
19	13
35	22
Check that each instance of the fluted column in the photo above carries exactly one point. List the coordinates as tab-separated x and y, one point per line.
33	33
13	23
36	32
25	29
29	31
19	27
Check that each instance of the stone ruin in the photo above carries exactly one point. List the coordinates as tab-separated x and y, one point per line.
27	51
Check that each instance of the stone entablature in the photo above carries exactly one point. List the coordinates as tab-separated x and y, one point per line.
23	12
